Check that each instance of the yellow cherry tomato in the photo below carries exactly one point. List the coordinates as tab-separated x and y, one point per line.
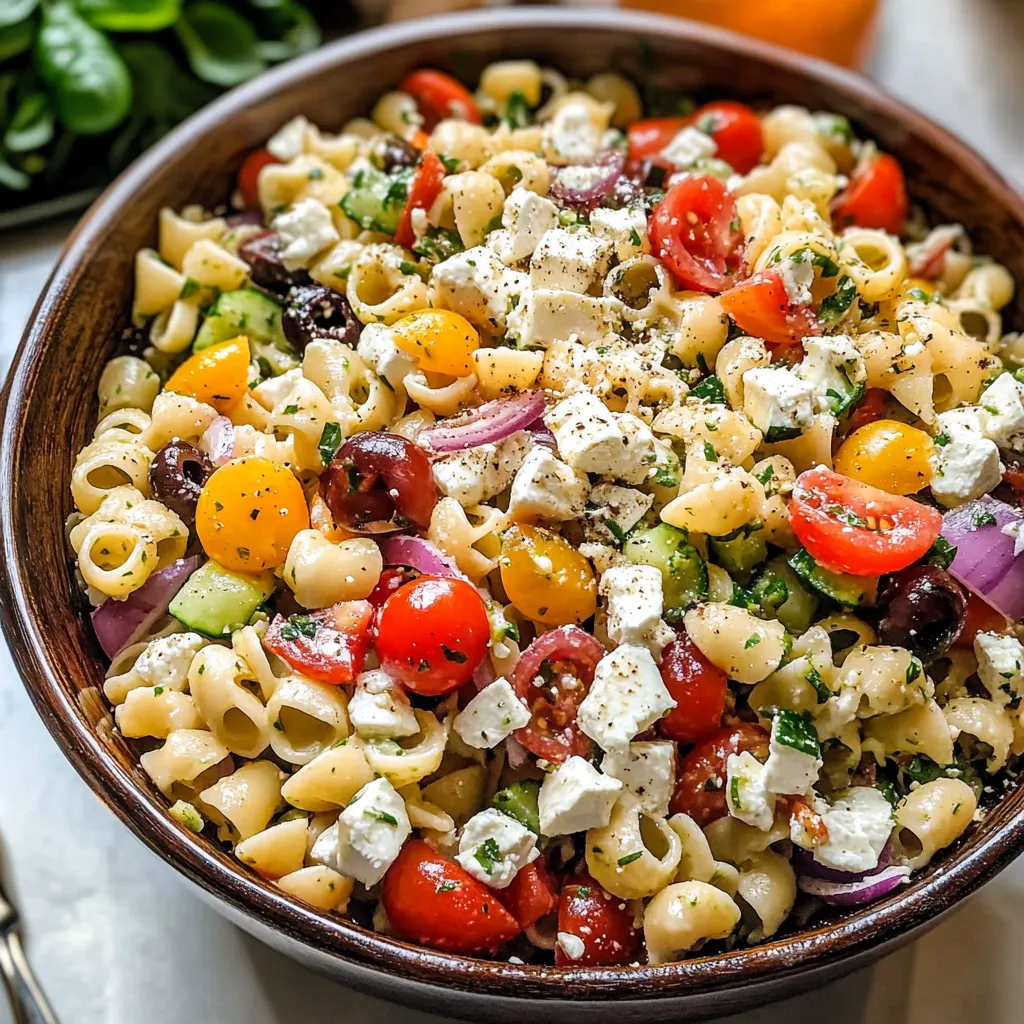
439	340
249	512
887	454
218	375
545	577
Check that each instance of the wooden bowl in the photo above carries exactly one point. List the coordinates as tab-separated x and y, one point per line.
50	405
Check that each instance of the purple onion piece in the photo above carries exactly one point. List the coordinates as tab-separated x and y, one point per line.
582	187
808	867
420	554
218	441
855	894
488	424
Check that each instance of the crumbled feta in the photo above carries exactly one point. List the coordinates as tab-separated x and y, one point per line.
745	793
634	600
526	217
547	489
571	135
165	662
476	284
544	316
777	402
787	770
602	555
1000	665
613	511
368	835
377	348
627	697
478	474
380	708
494	713
1001	412
289	141
648	770
493	848
568	261
965	464
834	366
859	824
1014	530
576	797
797	276
305	230
688	146
625	230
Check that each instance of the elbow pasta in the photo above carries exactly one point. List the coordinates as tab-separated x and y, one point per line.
467	507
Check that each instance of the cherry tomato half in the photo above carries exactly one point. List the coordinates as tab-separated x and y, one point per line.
433	633
439	96
531	895
424	188
980	617
437	903
697	687
390	580
647	138
760	307
249	175
329	645
873	406
875	198
851	527
602	922
565	659
694	233
700	782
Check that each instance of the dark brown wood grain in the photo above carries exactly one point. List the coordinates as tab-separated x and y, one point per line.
49	404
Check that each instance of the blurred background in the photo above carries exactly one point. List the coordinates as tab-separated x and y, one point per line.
115	936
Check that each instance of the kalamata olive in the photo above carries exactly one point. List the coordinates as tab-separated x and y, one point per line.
391	152
313	312
242	218
378	483
923	609
263	254
176	477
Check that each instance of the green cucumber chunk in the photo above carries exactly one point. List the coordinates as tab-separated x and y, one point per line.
216	602
519	801
739	552
684	575
243	311
780	594
376	200
849	591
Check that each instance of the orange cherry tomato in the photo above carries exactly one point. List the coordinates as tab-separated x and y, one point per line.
249	512
850	527
875	198
439	96
424	188
249	175
887	454
760	307
439	340
980	617
218	375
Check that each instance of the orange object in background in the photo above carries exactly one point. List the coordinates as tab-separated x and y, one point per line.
840	30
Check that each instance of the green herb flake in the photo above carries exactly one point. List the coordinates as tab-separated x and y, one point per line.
382	816
457	656
630	857
797	731
487	855
709	452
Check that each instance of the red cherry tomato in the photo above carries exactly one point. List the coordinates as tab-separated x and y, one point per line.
694	232
760	307
875	198
851	527
700	782
604	924
390	581
648	138
697	687
981	617
439	96
436	903
531	895
424	188
329	645
873	406
432	634
565	658
249	173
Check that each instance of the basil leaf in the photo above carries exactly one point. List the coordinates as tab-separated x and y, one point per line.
222	46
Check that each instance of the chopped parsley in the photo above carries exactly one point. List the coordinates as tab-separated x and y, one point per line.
457	656
941	440
709	452
298	626
752	641
820	688
797	731
330	442
488	854
983	519
382	816
941	553
634	237
630	857
517	112
835	306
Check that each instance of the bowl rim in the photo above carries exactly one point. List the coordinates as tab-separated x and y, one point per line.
881	926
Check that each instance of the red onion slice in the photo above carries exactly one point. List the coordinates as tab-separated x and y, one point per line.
808	867
583	187
491	422
515	753
484	674
118	624
218	441
929	257
856	894
418	553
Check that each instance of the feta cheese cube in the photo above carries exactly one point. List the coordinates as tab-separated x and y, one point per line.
305	230
835	367
576	797
478	474
380	708
378	350
547	489
648	771
476	284
965	464
568	260
788	770
289	141
637	458
627	697
1000	665
1001	412
859	823
544	316
165	661
602	555
494	713
613	511
777	402
745	793
572	136
689	146
526	217
797	276
368	835
494	848
633	600
625	230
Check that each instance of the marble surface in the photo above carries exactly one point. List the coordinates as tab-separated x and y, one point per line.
116	938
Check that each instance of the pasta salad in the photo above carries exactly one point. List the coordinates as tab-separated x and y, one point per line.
543	530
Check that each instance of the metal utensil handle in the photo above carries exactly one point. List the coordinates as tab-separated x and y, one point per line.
27	999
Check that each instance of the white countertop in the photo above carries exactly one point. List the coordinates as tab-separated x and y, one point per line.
116	938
